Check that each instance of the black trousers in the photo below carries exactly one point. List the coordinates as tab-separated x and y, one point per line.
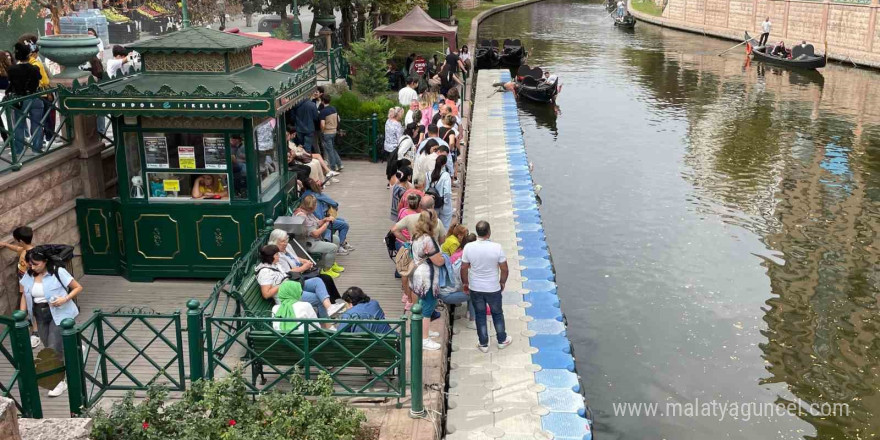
763	40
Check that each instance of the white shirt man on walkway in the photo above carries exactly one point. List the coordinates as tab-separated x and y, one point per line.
407	94
483	276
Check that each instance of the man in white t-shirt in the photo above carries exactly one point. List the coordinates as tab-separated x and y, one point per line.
483	276
119	63
408	93
765	32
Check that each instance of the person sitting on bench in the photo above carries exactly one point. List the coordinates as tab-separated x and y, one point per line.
362	307
270	275
290	305
290	261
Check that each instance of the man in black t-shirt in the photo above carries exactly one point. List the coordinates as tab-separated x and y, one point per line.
453	61
24	79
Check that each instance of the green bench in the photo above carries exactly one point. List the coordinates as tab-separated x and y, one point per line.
373	355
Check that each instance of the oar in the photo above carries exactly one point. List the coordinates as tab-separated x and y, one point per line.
734	47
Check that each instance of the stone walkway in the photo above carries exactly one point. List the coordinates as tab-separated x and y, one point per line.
528	390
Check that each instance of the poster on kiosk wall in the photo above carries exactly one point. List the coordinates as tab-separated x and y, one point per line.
156	151
215	152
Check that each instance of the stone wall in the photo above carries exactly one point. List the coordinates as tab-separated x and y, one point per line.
468	4
849	27
43	195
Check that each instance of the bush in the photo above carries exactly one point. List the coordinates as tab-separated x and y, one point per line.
351	106
223	410
368	57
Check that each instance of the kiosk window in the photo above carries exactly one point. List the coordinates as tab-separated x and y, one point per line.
171	187
187	151
266	143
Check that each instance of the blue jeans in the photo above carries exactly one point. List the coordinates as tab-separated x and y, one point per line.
457	298
22	132
317	301
339	225
493	299
333	159
309	142
316	285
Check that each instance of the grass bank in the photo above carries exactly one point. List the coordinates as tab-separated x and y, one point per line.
647	7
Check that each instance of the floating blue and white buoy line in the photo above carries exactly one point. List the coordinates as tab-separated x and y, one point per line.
553	392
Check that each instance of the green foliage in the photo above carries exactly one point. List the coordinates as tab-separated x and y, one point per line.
282	32
398	9
648	7
368	58
351	106
223	410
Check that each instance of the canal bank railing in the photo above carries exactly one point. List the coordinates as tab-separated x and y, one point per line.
31	127
134	349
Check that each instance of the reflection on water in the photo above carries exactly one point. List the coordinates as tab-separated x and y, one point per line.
714	224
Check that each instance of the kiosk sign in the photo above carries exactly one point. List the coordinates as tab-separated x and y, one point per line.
215	152
186	157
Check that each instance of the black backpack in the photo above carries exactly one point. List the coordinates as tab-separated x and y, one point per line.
438	201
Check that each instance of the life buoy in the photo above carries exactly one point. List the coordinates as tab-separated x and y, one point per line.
748	48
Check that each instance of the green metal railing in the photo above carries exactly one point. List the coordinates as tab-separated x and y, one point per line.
31	127
109	355
358	375
358	137
331	65
15	348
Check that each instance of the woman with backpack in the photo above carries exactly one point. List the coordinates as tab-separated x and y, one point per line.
441	182
424	278
47	295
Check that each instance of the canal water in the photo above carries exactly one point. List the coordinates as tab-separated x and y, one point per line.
714	228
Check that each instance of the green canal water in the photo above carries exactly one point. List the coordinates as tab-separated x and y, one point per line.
714	227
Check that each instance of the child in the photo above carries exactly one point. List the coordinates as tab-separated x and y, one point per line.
454	239
23	236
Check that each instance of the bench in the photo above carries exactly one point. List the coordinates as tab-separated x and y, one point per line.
267	346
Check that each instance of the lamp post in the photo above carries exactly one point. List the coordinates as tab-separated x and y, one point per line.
185	14
296	32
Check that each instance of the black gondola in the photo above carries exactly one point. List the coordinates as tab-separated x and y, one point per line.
513	54
802	57
487	55
530	85
625	22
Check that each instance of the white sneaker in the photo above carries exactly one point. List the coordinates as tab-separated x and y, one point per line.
335	308
433	334
428	344
507	342
483	348
332	174
341	251
59	389
347	246
35	341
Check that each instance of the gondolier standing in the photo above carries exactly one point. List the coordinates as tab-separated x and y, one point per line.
621	8
765	32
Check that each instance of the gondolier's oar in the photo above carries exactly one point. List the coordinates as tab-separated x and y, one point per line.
734	47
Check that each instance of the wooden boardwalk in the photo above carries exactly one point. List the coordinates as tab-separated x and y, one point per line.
364	202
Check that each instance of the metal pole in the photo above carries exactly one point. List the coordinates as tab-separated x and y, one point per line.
73	366
418	406
23	354
374	136
185	14
194	338
296	31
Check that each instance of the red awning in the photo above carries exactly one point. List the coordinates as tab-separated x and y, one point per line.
280	54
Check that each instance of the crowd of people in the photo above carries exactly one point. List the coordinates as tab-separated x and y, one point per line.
23	74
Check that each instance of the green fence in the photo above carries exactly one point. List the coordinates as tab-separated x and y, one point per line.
358	137
331	65
19	380
107	356
31	127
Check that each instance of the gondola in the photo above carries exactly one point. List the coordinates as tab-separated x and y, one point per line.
625	22
487	54
530	85
513	54
802	57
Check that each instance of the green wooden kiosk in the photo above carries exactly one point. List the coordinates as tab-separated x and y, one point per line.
200	154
